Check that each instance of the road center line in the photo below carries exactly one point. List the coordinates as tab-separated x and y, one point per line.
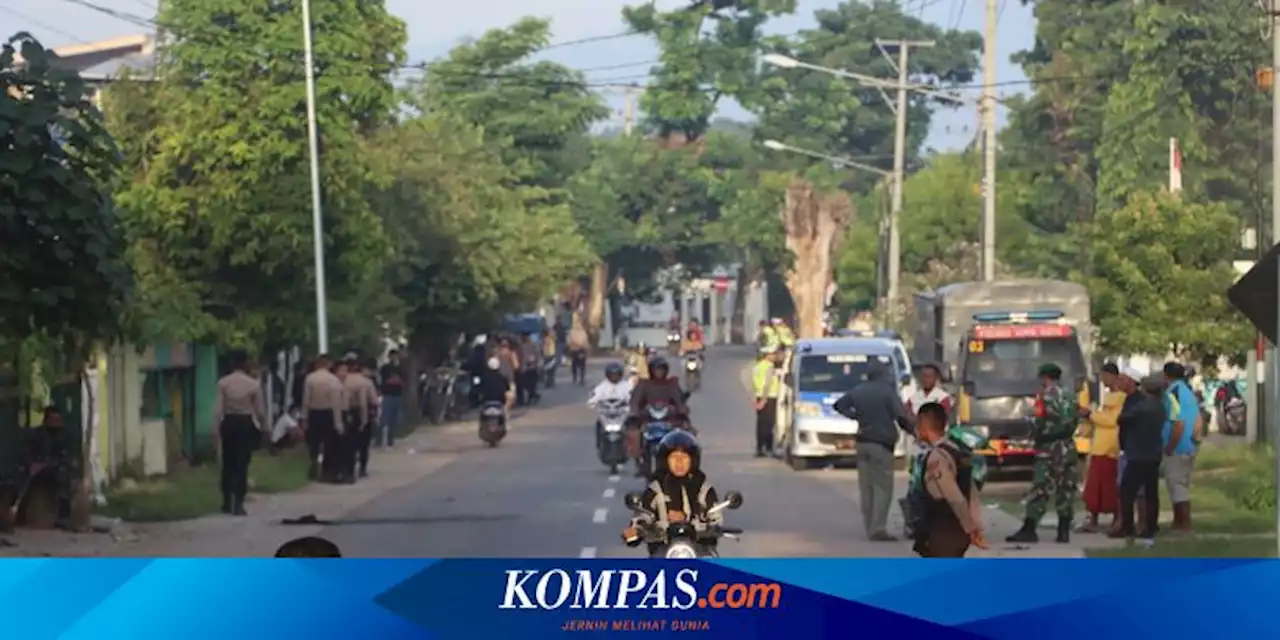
609	493
587	552
615	478
600	515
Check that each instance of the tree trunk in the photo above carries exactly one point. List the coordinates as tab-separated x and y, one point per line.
595	306
738	318
813	223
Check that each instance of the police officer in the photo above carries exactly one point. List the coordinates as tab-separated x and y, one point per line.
768	336
766	382
375	403
950	512
786	338
360	394
239	414
323	400
1056	476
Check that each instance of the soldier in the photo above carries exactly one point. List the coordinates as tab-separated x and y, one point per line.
239	415
1056	476
360	395
322	404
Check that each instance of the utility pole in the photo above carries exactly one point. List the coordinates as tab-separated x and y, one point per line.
1273	357
317	220
899	168
629	112
989	144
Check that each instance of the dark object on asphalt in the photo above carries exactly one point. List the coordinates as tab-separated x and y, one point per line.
307	519
308	547
1255	294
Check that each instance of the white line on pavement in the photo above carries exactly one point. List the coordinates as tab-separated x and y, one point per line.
600	515
587	552
609	493
615	478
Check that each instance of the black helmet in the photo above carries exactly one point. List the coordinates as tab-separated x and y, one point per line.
659	362
614	369
680	440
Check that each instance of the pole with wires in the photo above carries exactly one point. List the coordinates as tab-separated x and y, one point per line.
317	219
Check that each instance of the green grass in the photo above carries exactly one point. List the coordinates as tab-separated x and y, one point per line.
193	492
1194	547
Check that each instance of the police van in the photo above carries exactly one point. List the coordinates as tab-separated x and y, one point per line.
821	371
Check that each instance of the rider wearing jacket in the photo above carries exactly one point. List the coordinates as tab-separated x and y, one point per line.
613	387
679	491
659	388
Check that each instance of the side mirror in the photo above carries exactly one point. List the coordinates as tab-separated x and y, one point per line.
734	498
632	501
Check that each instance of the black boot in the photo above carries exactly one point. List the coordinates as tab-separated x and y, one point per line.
1026	534
226	502
1064	532
237	507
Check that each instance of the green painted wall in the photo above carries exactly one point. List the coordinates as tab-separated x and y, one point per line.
205	392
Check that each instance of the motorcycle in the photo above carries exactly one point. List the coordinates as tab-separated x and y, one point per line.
673	342
660	419
1231	408
690	540
693	370
610	445
493	423
439	397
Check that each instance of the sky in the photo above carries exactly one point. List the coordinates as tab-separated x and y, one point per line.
435	27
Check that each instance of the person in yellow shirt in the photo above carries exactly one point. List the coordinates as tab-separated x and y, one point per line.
785	336
1101	491
767	384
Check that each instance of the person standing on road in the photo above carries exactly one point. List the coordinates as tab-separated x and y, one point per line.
878	408
1056	467
509	367
1101	490
766	382
928	391
1179	437
370	373
361	395
530	366
579	342
951	518
392	376
239	414
322	404
1141	425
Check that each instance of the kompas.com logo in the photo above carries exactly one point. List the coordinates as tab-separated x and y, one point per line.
631	589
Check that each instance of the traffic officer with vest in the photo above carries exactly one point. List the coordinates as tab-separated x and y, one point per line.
239	414
786	338
767	337
767	384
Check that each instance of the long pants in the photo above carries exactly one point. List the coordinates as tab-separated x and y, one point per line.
875	486
1056	475
945	539
363	442
238	438
1144	476
319	426
578	366
526	386
390	419
766	418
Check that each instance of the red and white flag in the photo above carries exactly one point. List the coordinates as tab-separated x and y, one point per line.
1175	166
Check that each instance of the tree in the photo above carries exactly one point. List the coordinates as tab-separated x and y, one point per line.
64	273
219	206
468	244
1159	269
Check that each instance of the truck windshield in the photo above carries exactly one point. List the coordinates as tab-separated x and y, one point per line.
837	373
1009	367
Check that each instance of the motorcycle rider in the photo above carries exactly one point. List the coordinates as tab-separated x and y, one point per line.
638	360
679	491
692	343
613	387
694	332
494	386
658	388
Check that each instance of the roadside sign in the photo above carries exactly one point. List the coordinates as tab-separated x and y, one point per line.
1255	293
722	283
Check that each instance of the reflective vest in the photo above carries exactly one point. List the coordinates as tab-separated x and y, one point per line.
765	381
787	338
769	337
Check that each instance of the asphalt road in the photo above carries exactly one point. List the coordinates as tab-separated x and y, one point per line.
542	492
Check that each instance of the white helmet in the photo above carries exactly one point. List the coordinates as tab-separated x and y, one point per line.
481	340
493	363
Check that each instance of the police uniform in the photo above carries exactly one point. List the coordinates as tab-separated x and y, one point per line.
951	509
366	436
323	400
360	394
1056	473
240	413
767	387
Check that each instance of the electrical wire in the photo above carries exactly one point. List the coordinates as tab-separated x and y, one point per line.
42	25
123	16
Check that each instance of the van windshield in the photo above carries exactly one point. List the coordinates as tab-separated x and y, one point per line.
836	373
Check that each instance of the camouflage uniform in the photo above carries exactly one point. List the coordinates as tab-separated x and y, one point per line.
1056	466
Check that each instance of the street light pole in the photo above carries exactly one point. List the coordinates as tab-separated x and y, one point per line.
317	220
989	145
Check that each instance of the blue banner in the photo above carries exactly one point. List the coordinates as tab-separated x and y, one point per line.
744	599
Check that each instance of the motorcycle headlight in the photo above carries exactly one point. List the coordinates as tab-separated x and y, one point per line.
808	409
613	427
681	551
691	365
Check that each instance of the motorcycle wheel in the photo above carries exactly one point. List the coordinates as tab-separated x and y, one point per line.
613	469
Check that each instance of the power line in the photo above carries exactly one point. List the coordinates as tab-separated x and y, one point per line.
123	16
42	25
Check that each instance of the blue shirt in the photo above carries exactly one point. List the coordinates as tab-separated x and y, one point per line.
1180	404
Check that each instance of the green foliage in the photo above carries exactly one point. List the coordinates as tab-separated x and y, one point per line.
63	269
219	206
709	51
1159	267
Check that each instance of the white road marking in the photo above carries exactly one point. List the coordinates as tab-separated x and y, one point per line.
587	552
600	515
609	493
615	478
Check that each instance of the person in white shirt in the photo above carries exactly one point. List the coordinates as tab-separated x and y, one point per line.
613	387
